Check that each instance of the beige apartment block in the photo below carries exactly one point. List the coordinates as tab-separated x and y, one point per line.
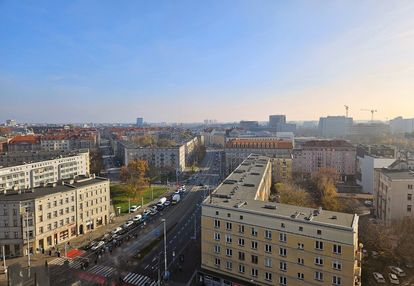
51	215
246	238
393	196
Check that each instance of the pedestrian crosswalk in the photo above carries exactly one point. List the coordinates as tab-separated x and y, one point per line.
102	270
58	261
138	280
73	263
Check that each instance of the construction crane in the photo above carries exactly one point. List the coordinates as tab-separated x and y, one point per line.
346	109
372	112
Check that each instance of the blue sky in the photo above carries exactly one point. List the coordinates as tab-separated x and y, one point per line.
112	61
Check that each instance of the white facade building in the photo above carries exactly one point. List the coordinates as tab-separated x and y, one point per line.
27	176
335	126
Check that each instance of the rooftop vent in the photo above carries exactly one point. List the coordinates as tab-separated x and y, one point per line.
334	217
295	215
248	185
254	173
310	217
259	165
271	207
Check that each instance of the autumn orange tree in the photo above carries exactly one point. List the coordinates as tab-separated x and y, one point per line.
291	194
135	176
325	189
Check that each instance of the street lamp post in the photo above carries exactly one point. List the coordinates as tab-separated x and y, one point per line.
165	249
129	205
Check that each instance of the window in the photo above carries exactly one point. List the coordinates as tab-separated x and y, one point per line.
282	225
318	276
255	272
228	225
301	228
267	262
41	229
217	248
283	266
301	276
319	261
242	269
268	276
282	280
410	187
268	248
336	280
254	245
241	241
255	259
301	246
319	245
229	265
282	251
241	256
282	237
241	217
216	223
336	265
228	215
254	231
241	228
319	232
337	249
229	252
301	261
217	262
409	197
228	238
216	236
409	207
268	234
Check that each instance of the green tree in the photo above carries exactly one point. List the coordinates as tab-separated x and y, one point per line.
135	176
292	194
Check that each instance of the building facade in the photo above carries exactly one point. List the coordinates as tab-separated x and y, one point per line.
249	241
393	197
31	175
51	215
401	125
335	126
314	155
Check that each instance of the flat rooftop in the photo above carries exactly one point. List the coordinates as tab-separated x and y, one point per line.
50	189
398	174
238	192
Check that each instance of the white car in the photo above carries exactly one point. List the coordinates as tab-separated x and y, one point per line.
134	208
116	230
128	223
393	279
137	218
397	271
98	245
378	277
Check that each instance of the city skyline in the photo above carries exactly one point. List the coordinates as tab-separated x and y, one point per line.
100	62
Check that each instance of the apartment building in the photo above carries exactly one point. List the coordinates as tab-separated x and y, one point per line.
335	126
280	152
160	157
369	159
246	240
31	175
51	215
313	155
393	197
24	143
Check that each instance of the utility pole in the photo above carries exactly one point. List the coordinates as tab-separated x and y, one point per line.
165	250
129	205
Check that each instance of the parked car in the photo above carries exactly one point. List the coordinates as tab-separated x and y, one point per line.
162	200
137	218
176	198
98	245
160	207
134	208
397	271
90	245
393	279
368	203
378	277
117	230
128	223
153	212
146	213
167	203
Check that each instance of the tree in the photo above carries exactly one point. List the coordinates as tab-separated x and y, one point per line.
96	161
325	190
135	176
405	233
292	194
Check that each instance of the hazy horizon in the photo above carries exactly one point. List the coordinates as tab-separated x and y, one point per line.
186	61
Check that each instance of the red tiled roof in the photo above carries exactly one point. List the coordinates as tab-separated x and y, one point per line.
327	143
33	139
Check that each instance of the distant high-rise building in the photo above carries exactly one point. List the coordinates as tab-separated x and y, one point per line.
11	122
335	126
275	120
278	122
400	125
249	124
140	121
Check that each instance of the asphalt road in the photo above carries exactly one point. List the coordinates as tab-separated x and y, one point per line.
144	254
